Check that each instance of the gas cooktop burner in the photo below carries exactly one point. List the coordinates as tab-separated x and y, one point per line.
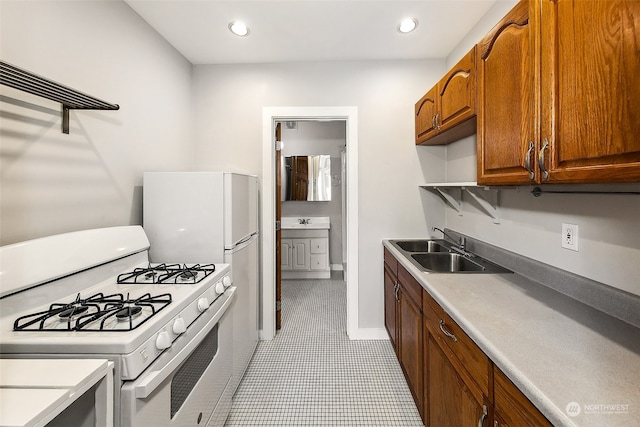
110	313
73	312
128	312
168	274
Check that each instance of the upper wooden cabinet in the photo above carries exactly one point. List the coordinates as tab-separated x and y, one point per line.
506	103
557	83
447	112
590	92
426	110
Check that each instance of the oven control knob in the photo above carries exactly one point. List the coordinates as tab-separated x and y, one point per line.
203	304
163	341
226	281
219	288
178	326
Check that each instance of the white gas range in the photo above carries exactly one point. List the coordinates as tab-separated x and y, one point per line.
93	294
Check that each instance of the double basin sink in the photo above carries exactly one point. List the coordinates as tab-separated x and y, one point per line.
440	256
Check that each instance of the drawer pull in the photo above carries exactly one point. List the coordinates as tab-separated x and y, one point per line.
447	333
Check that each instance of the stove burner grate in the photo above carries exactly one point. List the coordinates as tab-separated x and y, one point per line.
174	274
94	314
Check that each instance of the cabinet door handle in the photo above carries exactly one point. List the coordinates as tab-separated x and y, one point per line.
527	160
437	124
447	333
397	288
483	417
433	122
543	169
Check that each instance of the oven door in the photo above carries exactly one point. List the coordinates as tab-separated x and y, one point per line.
188	385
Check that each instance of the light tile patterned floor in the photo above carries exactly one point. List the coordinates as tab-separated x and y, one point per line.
311	374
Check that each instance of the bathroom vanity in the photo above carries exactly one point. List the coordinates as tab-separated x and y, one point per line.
305	248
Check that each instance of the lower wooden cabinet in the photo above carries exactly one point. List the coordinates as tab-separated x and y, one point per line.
452	381
391	297
451	401
512	408
403	321
410	346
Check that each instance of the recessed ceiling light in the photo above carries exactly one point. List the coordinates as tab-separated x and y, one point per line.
239	28
407	25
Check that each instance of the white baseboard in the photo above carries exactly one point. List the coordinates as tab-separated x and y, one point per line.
370	334
336	267
360	334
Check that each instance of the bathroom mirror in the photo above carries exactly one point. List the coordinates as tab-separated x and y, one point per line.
307	178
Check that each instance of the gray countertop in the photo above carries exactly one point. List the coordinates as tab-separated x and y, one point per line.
557	350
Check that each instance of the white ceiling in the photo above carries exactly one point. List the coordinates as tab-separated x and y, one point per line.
310	30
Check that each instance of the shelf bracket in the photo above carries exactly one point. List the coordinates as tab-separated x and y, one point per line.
454	202
486	197
65	119
489	206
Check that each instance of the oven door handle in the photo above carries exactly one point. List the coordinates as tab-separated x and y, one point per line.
154	378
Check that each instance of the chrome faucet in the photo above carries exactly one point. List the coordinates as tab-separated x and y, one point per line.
461	243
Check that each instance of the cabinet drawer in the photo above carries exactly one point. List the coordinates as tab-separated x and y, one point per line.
442	326
319	262
512	406
390	262
318	246
410	285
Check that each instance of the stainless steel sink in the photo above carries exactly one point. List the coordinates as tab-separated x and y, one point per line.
440	256
446	262
422	245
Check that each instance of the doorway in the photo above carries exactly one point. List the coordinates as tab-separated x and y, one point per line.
310	185
272	115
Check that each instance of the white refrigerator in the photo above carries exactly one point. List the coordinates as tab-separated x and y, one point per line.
210	217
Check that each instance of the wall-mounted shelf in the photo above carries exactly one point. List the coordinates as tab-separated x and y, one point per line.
451	193
71	99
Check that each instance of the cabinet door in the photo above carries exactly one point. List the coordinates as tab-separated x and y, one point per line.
452	401
425	116
300	259
590	92
285	250
506	97
512	408
410	344
390	304
457	92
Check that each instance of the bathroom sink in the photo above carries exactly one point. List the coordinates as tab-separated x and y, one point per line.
446	262
308	222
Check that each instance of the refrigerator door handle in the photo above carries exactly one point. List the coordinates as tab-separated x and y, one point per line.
242	242
245	240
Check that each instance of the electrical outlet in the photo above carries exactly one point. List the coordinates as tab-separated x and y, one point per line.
570	236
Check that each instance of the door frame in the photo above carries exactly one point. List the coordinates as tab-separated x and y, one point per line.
270	115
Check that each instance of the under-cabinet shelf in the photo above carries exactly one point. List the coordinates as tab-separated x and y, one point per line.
71	99
451	194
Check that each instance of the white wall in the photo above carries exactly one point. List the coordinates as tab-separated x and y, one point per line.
228	106
53	183
609	225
